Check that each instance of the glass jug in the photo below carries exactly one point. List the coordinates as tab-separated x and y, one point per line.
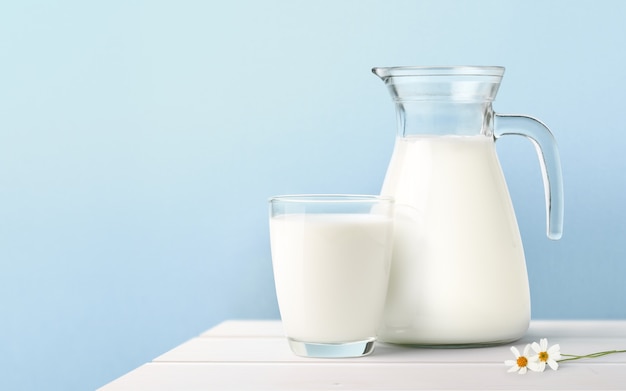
458	274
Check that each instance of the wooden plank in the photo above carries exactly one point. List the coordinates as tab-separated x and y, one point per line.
538	328
249	349
351	376
577	328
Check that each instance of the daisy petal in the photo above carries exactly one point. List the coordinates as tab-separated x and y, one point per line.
553	364
536	347
540	366
513	369
535	367
554	352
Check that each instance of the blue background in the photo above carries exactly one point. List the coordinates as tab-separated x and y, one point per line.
140	140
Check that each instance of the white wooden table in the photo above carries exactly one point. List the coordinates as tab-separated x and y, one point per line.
254	355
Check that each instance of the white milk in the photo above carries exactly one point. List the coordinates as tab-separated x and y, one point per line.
331	273
458	273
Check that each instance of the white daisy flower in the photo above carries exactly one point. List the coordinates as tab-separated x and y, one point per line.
546	355
522	362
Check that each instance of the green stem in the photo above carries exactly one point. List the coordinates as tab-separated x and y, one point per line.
571	357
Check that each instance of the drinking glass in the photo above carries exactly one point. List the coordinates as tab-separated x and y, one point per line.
331	257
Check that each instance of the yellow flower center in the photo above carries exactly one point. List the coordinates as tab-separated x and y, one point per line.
522	361
543	356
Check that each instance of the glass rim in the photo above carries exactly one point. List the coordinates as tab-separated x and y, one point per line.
454	70
325	198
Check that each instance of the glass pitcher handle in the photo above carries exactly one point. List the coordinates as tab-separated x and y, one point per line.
548	153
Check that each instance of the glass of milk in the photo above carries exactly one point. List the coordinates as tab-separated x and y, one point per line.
331	257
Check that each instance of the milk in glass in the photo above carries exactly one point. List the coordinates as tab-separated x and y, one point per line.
331	273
